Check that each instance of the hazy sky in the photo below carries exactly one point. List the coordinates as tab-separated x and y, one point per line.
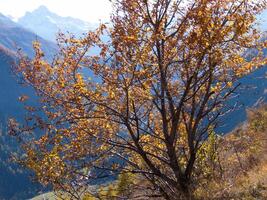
88	10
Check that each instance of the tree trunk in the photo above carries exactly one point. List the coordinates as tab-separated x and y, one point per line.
184	187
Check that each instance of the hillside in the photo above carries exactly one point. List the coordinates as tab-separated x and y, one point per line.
12	38
242	155
10	90
251	92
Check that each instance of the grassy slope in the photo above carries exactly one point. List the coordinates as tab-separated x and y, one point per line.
244	159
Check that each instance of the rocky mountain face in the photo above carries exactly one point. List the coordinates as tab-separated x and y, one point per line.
47	24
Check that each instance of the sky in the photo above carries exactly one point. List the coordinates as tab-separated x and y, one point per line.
87	10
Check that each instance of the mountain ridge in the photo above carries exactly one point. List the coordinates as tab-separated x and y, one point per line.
14	37
47	24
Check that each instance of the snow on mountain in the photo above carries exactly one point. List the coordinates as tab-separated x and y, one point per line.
47	24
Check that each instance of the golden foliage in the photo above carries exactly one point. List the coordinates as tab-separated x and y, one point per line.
161	83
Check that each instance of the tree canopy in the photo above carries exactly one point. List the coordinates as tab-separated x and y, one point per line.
153	97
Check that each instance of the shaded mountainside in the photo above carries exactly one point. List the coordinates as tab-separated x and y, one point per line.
251	92
14	180
10	89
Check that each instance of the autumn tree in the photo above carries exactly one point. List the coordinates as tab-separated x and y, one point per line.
147	102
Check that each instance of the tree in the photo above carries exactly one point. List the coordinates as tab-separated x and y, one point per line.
160	85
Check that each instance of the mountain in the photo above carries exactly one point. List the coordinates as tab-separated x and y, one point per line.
14	180
47	24
252	92
262	20
13	36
